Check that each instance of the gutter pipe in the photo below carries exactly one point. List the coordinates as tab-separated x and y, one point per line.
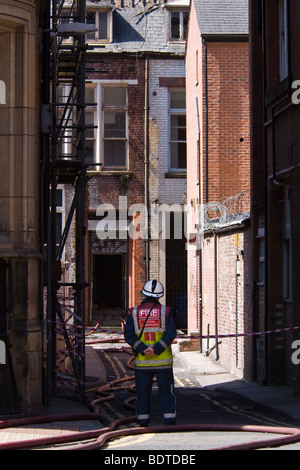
146	168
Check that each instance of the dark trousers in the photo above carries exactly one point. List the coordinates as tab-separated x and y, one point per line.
143	383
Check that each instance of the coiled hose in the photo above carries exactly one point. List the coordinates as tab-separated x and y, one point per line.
101	436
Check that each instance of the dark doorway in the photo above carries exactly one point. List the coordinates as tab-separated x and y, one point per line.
109	292
108	282
9	397
176	273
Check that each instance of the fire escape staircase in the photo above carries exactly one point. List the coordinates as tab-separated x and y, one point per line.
64	90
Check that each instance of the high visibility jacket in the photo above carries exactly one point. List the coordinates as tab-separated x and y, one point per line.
154	330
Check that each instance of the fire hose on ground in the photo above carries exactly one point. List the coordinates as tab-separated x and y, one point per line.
289	435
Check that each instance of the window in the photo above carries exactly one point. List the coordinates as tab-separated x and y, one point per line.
261	255
177	130
283	39
261	247
60	213
103	22
65	123
114	112
91	120
287	247
178	25
106	118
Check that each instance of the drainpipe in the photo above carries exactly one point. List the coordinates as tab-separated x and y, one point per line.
207	194
200	298
216	292
146	167
206	117
200	200
266	309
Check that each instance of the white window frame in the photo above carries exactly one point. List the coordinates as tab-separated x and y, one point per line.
181	12
109	32
174	112
98	160
91	108
117	108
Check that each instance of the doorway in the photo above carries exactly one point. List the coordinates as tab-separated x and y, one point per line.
9	396
176	274
109	287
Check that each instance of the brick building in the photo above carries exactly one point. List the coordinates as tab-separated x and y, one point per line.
275	114
135	94
218	179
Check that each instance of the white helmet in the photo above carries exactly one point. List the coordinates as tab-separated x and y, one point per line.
153	288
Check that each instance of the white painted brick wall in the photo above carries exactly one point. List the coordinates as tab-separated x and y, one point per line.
161	189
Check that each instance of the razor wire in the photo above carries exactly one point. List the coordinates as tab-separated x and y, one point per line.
233	209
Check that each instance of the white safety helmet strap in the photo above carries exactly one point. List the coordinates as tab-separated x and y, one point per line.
153	288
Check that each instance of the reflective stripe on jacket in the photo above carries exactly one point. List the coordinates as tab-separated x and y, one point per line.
154	330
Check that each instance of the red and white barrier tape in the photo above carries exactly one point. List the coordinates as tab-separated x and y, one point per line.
233	335
237	335
65	380
71	380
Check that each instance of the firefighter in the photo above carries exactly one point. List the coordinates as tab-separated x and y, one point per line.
149	330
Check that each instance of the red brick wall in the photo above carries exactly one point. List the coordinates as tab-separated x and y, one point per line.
233	290
228	114
136	274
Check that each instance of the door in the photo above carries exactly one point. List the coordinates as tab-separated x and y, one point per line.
109	293
176	275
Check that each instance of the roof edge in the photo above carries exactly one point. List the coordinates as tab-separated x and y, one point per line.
224	37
